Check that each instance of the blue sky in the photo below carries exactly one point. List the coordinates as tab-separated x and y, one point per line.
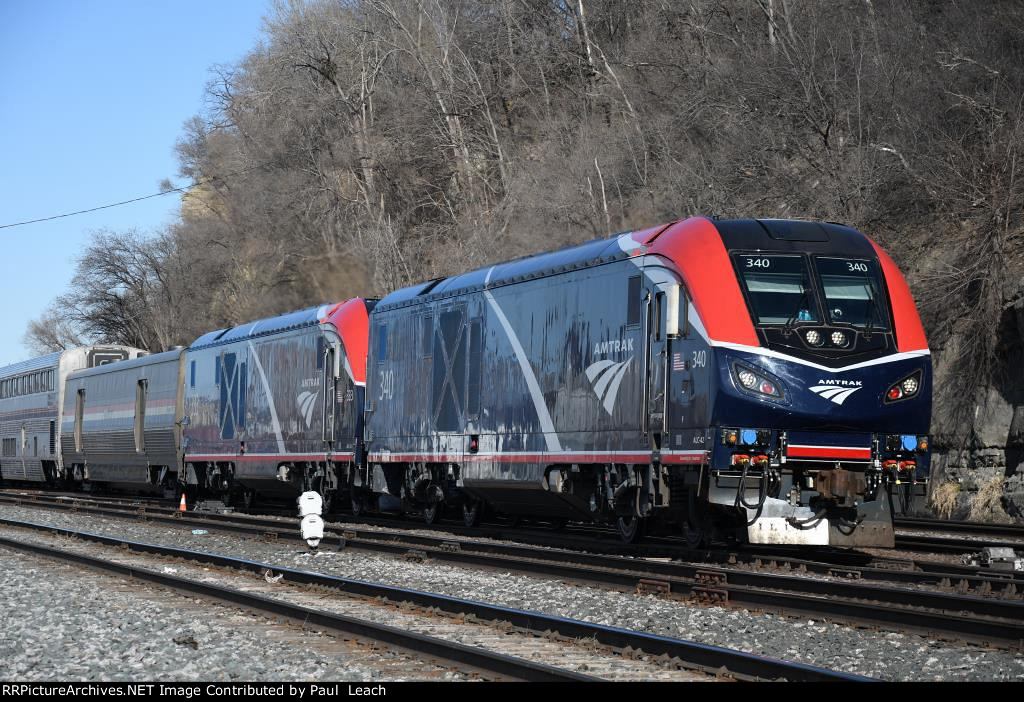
93	95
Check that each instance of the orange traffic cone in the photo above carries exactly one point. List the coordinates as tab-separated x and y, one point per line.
182	507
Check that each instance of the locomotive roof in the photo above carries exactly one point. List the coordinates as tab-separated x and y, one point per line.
147	360
783	234
32	364
535	266
262	327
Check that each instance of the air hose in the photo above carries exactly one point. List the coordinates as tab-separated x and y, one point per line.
762	493
809	523
847	527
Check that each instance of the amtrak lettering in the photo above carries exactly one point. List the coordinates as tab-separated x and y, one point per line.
603	348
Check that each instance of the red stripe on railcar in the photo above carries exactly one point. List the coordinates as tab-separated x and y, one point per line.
828	452
695	246
555	457
909	330
253	457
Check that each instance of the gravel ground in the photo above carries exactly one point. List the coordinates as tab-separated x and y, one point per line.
892	656
581	656
67	623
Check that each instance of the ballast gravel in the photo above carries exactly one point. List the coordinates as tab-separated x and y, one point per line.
61	622
885	655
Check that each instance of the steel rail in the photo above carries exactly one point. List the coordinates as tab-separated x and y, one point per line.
960	527
983	620
818	560
705	657
851	564
949	545
434	648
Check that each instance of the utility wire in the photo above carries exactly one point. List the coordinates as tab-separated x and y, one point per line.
136	199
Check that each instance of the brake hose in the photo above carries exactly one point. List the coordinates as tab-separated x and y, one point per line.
762	493
806	523
852	526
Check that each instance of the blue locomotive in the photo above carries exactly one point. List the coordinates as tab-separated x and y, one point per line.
769	379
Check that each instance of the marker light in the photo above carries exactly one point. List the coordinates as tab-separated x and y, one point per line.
767	388
922	443
894	393
730	437
813	338
839	339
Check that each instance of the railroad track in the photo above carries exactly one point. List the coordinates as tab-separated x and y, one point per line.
950	545
980	609
1015	531
710	660
588	538
595	538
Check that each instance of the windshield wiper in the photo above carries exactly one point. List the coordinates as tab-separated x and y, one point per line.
791	322
870	289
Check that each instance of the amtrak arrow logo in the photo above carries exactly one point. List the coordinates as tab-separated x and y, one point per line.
833	393
306	402
606	377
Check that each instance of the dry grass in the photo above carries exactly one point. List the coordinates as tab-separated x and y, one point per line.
943	499
987	505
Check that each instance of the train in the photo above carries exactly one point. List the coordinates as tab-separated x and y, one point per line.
765	381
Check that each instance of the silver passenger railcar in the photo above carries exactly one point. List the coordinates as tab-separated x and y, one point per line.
31	399
122	425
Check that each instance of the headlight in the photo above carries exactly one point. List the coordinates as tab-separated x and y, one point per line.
813	338
747	379
757	382
906	388
839	339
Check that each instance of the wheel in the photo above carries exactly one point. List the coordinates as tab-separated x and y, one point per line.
328	504
471	513
630	529
695	536
431	512
357	505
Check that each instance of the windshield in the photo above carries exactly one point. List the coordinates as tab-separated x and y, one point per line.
853	292
778	287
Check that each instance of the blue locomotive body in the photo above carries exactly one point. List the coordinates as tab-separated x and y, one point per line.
758	377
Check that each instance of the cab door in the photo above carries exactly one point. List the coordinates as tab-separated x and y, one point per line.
329	385
689	363
660	315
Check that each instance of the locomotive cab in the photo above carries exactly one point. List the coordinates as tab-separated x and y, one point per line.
817	426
